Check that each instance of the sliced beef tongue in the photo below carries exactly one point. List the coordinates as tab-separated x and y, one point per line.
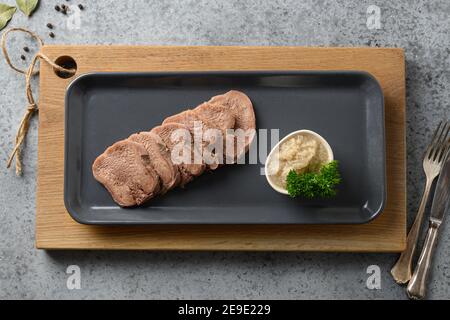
218	116
160	158
138	168
222	120
184	154
186	118
206	133
126	171
240	106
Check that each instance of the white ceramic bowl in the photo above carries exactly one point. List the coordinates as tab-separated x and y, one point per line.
316	135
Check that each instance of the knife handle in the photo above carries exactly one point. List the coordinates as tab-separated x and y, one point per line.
417	286
401	272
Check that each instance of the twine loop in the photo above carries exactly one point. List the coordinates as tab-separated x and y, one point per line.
32	107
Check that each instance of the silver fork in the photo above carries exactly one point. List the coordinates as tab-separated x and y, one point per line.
432	163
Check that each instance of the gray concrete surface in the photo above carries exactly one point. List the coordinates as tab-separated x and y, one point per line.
420	27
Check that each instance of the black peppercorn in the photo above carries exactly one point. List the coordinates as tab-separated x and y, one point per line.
81	6
51	34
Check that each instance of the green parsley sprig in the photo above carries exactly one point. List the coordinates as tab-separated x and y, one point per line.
310	185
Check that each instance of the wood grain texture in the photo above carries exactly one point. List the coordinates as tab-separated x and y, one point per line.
55	229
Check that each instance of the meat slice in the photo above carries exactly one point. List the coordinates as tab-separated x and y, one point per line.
212	116
222	119
126	172
218	116
186	117
184	154
206	133
160	158
240	106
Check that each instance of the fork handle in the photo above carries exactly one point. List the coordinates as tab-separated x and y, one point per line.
417	286
402	269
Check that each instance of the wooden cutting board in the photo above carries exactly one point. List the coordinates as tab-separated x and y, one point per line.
55	229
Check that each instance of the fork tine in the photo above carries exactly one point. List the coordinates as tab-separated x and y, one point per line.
445	152
433	140
440	142
441	146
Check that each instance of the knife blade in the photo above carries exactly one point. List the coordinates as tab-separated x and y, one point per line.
442	194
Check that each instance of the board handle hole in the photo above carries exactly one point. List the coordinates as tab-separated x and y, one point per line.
66	62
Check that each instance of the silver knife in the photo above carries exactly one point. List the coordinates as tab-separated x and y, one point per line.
417	285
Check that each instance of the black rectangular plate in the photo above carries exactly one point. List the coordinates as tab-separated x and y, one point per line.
345	107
